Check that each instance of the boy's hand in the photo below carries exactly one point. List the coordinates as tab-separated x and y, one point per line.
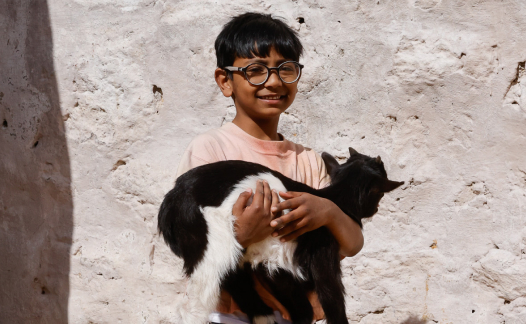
253	221
308	213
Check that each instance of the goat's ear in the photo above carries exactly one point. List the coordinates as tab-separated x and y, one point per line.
330	163
388	185
352	151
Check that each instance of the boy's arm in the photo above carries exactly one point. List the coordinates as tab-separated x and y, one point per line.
310	212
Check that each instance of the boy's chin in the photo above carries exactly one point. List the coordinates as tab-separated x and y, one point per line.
280	105
274	110
268	113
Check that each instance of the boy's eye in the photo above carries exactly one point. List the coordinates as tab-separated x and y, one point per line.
256	69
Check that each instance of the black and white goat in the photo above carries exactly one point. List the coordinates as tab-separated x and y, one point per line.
196	220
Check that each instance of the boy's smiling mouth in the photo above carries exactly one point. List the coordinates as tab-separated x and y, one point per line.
271	97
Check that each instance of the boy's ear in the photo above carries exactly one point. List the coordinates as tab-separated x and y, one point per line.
224	82
330	163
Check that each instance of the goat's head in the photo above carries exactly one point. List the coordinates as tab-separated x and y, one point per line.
360	182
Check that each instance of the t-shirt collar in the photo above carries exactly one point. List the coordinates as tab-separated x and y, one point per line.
283	147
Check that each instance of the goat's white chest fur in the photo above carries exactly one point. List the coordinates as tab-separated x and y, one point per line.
270	252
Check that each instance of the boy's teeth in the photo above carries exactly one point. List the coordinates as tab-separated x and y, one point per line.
270	97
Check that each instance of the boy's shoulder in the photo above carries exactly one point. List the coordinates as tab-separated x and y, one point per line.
210	136
214	137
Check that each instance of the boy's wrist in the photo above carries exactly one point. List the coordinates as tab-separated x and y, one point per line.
241	242
242	238
334	217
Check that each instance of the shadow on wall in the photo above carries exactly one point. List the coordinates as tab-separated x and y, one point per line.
414	320
35	196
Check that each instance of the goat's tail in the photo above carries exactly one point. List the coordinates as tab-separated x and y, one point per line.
183	227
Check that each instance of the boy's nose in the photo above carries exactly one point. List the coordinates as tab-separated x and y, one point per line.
273	79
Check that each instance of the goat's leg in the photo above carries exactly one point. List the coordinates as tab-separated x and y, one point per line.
240	285
329	288
290	292
318	251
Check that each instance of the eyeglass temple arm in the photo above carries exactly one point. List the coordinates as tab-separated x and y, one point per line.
233	68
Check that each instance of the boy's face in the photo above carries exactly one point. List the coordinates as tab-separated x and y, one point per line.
259	102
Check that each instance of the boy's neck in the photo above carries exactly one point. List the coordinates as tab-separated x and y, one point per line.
266	130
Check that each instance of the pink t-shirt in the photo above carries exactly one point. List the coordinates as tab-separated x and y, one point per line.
292	160
232	143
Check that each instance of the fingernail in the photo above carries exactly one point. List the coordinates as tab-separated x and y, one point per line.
274	234
282	240
273	223
274	191
274	209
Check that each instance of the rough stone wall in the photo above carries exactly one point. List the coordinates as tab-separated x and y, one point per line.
113	91
36	206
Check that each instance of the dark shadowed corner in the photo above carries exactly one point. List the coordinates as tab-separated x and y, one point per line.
35	196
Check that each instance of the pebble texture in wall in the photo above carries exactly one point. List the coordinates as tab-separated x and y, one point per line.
98	100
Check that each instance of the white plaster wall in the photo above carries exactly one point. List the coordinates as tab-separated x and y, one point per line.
436	87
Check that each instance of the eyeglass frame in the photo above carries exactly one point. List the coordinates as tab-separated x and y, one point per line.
269	70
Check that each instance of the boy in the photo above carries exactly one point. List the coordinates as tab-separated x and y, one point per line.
257	59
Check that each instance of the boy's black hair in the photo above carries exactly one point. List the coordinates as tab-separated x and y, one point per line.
254	34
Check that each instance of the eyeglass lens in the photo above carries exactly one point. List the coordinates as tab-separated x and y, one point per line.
257	73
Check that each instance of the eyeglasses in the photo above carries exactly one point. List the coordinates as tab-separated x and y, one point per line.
258	73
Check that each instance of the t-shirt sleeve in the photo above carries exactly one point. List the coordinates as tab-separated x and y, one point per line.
324	178
203	149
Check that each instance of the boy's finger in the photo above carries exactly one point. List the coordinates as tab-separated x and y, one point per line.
294	235
275	202
287	204
290	194
275	198
241	202
289	228
285	219
267	201
259	195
